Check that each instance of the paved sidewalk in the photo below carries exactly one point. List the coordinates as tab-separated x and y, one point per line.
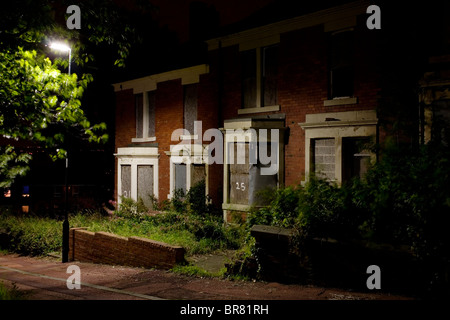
46	279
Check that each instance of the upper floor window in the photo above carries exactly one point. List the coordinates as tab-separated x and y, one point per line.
259	77
190	107
145	116
341	65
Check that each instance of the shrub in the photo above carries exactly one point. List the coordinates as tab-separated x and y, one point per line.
129	208
25	236
282	210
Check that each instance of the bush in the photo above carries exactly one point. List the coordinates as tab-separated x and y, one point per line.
25	236
404	199
318	209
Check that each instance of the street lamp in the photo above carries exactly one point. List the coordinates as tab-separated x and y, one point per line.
61	47
58	46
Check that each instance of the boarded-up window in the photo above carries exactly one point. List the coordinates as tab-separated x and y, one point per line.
145	184
249	89
341	65
139	106
190	107
269	75
126	180
198	174
151	113
259	181
324	158
239	169
180	176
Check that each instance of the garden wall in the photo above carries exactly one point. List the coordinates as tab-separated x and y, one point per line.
329	262
103	247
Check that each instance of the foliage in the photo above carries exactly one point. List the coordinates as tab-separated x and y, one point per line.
192	270
10	293
40	106
319	208
404	199
408	195
282	208
31	235
35	235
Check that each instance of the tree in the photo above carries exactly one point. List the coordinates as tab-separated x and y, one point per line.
41	106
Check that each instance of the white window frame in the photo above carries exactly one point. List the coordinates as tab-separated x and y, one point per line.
337	125
136	157
258	46
190	154
145	121
243	130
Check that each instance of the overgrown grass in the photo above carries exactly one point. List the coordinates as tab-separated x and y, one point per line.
33	235
30	235
13	293
192	270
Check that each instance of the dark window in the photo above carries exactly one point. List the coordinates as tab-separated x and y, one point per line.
269	75
151	113
259	77
249	89
341	65
190	107
355	158
198	174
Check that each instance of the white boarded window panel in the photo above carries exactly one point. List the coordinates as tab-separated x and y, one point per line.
145	184
180	176
324	158
126	180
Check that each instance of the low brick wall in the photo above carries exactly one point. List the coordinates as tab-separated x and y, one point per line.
103	247
329	262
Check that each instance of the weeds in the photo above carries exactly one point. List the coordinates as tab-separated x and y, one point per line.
7	293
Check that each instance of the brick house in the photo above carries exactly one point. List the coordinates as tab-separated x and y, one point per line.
307	86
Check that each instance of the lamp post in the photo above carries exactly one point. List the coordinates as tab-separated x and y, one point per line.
65	243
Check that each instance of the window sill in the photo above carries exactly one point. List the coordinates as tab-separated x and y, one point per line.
236	207
189	137
149	139
340	101
259	110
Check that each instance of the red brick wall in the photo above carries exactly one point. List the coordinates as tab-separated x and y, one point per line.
125	124
102	247
169	116
303	85
302	89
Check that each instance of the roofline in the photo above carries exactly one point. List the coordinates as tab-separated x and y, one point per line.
188	75
334	18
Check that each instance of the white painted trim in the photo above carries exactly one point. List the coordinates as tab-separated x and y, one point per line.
339	125
340	101
135	157
187	75
191	154
332	18
259	110
149	139
247	130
